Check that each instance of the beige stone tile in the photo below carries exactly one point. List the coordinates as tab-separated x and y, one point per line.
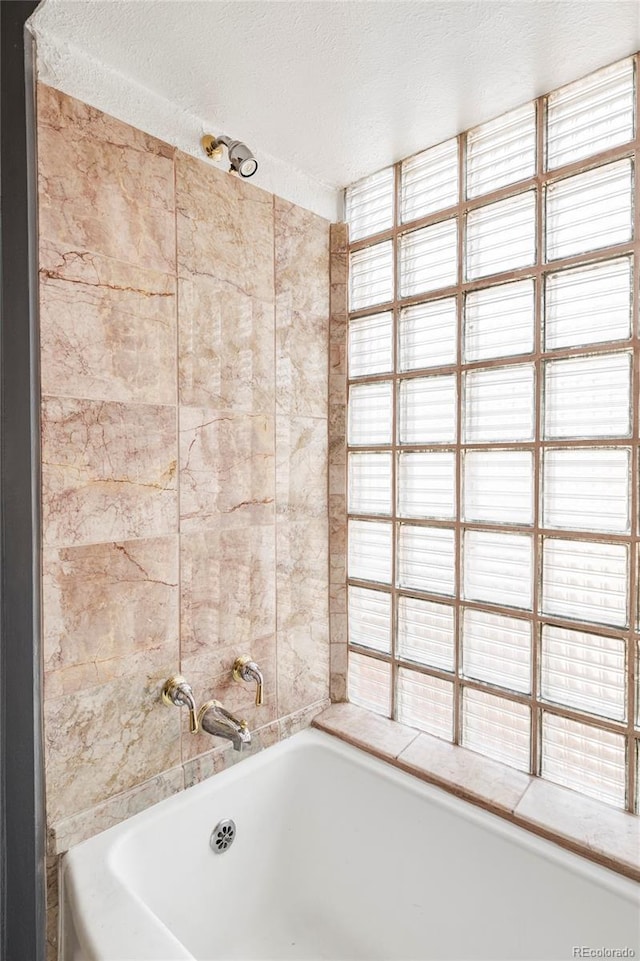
228	599
109	471
238	697
105	601
101	742
226	469
303	666
106	198
302	573
79	827
52	902
64	113
225	227
378	735
301	467
300	720
301	259
302	613
107	329
464	773
226	346
613	836
339	237
301	361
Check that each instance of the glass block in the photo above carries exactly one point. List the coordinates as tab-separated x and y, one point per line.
587	489
497	649
590	210
426	703
428	410
426	559
370	551
498	568
498	486
429	181
371	345
585	580
428	334
370	483
498	321
496	727
499	404
588	396
370	619
425	632
369	683
501	236
589	305
584	671
429	258
371	276
502	151
369	205
370	411
590	115
584	758
427	484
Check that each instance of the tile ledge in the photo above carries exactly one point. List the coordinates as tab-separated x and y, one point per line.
575	822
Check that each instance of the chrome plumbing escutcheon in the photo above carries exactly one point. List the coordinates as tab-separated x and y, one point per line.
246	669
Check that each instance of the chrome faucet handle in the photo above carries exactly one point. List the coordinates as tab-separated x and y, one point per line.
178	691
245	669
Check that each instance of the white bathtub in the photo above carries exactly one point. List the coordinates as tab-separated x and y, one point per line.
337	856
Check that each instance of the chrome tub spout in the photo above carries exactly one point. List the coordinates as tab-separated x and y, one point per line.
214	719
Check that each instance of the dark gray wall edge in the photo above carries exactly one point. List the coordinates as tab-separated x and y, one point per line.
21	768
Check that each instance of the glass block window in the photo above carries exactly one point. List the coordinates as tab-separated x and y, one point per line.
493	443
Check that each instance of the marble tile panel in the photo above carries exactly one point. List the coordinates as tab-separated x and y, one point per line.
238	697
224	227
79	827
101	742
226	469
301	467
464	772
64	113
338	434
301	363
103	601
228	598
302	572
303	666
614	836
339	237
53	908
301	259
109	471
300	720
226	340
378	735
107	329
107	199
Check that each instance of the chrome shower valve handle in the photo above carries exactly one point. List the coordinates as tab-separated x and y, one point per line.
178	691
245	669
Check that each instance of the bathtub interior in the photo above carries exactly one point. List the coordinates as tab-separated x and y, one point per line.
338	856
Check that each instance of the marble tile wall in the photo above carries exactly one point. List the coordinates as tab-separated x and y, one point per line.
184	353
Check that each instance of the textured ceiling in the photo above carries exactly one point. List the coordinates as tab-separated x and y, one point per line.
336	90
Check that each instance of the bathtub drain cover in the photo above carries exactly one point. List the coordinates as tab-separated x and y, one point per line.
223	836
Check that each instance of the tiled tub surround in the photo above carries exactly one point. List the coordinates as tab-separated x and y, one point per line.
184	354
